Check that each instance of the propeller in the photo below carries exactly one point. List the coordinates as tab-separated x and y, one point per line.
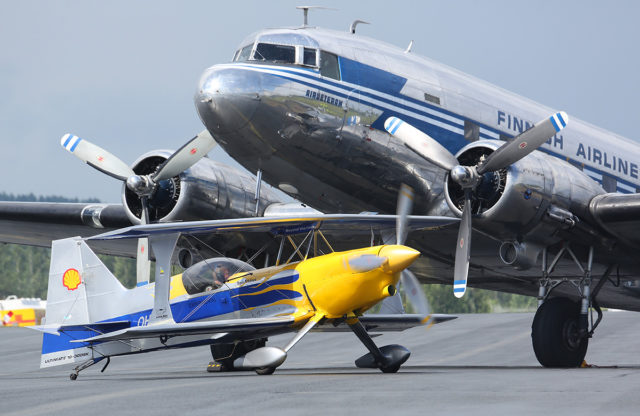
470	177
144	186
408	281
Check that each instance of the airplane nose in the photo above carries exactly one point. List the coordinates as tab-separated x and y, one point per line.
227	98
399	257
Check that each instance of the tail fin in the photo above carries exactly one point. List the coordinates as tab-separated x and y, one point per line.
81	292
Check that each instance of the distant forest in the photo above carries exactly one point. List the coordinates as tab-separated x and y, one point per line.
25	273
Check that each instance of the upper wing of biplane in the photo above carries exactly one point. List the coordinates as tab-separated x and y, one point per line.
285	225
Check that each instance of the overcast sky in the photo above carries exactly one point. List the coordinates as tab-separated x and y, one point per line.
122	73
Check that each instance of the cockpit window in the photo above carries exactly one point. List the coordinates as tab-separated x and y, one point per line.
243	54
309	57
281	54
210	274
329	65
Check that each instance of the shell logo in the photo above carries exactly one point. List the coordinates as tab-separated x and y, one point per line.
71	279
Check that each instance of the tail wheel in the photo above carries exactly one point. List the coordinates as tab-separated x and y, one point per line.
555	334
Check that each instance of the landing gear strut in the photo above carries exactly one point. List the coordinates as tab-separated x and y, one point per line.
560	330
388	358
87	364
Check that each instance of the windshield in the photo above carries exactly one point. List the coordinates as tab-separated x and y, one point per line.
212	273
243	54
275	53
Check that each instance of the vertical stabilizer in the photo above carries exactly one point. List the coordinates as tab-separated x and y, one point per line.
81	291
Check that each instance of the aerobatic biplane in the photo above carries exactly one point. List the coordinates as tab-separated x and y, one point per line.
227	303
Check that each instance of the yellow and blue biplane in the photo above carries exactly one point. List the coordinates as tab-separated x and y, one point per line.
227	303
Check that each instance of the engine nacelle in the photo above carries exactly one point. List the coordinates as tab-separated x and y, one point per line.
207	190
529	200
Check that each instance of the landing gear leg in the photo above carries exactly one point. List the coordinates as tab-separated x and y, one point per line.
388	358
560	331
86	364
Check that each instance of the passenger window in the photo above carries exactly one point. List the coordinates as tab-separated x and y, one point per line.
275	53
329	65
243	54
309	57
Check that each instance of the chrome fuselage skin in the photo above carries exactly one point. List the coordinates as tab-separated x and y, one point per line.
323	140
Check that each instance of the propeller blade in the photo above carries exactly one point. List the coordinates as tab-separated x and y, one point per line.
405	204
185	157
96	157
415	294
421	143
524	143
391	305
463	249
143	264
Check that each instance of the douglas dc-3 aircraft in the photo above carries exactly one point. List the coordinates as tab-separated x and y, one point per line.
340	121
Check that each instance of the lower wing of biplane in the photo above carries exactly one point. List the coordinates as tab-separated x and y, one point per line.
91	316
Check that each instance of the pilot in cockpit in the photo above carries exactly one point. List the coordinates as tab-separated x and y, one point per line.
220	275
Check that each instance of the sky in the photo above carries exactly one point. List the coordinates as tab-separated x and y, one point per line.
122	74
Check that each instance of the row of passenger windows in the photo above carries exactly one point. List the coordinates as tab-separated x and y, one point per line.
295	55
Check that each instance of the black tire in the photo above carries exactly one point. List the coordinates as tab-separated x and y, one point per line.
265	371
392	369
555	334
73	376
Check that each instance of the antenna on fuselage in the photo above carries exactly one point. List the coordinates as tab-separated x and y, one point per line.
305	11
352	28
409	47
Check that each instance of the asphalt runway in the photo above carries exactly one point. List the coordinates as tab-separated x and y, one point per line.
480	364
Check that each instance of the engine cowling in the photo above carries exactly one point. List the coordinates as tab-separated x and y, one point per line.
207	190
527	200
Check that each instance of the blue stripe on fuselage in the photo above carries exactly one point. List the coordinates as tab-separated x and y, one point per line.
451	140
209	305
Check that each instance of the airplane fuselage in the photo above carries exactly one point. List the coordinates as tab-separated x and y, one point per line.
316	131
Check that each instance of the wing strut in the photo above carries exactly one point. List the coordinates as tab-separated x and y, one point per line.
162	246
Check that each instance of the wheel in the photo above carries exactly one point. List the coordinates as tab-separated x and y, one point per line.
392	369
555	334
265	371
73	376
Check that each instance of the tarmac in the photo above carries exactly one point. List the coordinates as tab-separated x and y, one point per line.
478	364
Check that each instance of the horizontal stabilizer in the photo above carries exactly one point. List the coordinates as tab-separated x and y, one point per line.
193	328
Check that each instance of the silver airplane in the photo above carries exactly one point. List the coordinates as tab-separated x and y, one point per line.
340	121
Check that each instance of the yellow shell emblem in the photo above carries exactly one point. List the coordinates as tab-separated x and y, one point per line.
71	279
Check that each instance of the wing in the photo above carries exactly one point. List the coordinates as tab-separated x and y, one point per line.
619	215
282	225
237	326
38	223
388	323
